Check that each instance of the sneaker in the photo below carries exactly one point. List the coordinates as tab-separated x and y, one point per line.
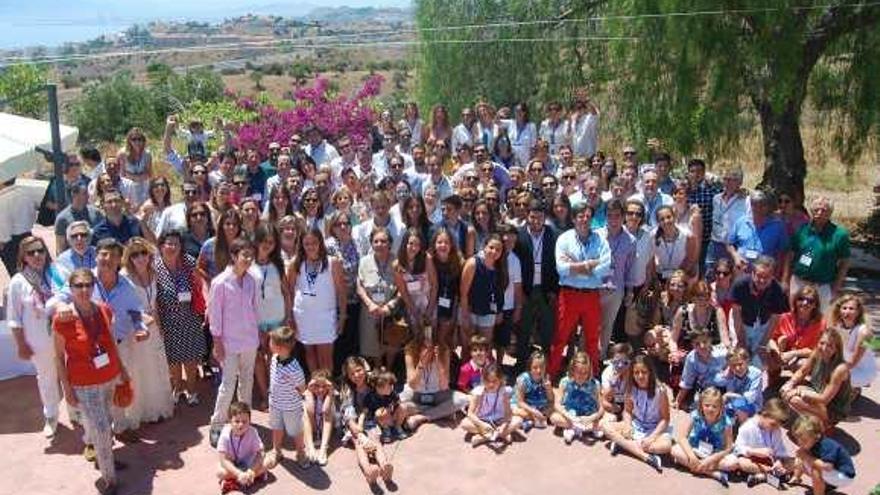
302	460
528	425
655	462
597	433
568	435
321	458
50	427
214	435
615	449
89	453
192	399
541	424
754	479
721	477
400	433
385	436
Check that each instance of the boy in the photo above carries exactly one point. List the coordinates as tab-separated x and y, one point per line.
743	385
470	373
287	383
823	459
759	448
700	366
382	408
241	451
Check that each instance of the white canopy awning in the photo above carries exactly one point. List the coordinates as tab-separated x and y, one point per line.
18	138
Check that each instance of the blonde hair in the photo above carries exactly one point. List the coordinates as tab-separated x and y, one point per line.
580	358
136	244
834	318
806	425
775	409
708	395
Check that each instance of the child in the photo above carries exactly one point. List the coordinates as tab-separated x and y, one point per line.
241	451
286	386
319	417
578	405
470	373
743	385
759	450
513	293
370	455
533	394
701	365
615	378
823	459
489	417
705	438
848	317
643	430
382	408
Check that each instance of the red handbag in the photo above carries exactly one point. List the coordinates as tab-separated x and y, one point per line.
198	304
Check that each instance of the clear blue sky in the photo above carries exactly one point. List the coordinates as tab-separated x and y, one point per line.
52	22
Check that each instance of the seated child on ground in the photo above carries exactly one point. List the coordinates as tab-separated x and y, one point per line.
578	408
382	407
489	417
533	394
469	375
743	385
615	378
823	459
241	451
759	450
701	364
705	438
319	415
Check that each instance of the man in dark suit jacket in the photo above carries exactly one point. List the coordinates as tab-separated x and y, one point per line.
535	247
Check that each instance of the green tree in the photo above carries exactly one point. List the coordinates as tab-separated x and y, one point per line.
257	77
107	110
691	79
18	80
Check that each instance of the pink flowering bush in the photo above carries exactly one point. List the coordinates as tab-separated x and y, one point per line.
334	115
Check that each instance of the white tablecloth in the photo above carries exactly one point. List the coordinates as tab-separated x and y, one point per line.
10	365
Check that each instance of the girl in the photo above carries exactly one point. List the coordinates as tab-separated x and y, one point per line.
426	393
214	256
319	415
848	317
370	455
759	450
643	430
483	280
273	299
489	417
447	266
578	406
343	202
278	205
560	214
533	398
484	221
416	279
721	292
826	391
705	438
159	198
250	217
291	230
615	378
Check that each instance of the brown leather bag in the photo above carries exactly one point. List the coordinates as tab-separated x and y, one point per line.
393	331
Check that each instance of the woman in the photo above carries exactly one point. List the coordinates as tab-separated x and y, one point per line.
519	209
180	304
560	213
307	170
503	152
28	320
687	218
151	210
343	201
607	173
199	228
426	393
222	199
148	366
484	221
439	129
796	334
447	265
278	205
319	299
791	215
821	386
379	297
522	133
341	245
137	164
273	299
416	279
416	217
203	185
402	192
89	367
431	200
312	210
250	217
291	229
214	255
674	248
483	281
413	122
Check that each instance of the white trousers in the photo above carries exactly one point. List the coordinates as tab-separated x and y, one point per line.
47	381
610	301
238	368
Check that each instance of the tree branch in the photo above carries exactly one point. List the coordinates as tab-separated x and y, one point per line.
834	23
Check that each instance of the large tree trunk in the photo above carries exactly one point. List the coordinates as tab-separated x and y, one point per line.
784	165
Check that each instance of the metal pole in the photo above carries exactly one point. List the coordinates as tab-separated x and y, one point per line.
58	157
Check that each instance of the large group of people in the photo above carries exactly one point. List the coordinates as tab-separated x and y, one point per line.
504	273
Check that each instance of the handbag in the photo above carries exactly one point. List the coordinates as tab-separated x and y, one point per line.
393	331
123	395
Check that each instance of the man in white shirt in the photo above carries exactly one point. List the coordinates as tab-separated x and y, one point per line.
381	165
346	159
463	133
174	217
381	207
318	148
282	169
651	197
727	207
584	125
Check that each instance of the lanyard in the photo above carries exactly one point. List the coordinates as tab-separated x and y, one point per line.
235	447
495	402
537	246
669	250
265	272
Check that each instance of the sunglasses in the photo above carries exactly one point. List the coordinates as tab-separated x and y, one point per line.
722	273
806	300
83	285
521	205
34	252
310	200
138	140
239	183
568	177
634	213
199	172
138	254
190	192
471	177
199	214
81	235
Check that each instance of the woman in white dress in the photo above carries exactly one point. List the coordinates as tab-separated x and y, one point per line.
151	381
673	247
848	317
319	299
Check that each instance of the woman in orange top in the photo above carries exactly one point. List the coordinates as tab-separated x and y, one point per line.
89	368
797	333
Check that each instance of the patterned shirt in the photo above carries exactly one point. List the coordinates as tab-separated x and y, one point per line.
286	379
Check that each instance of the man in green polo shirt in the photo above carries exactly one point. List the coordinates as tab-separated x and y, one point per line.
819	254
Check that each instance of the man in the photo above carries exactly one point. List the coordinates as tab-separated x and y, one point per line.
584	125
436	178
549	189
462	233
78	209
535	247
651	197
583	260
256	176
318	148
80	254
590	195
116	224
347	159
381	159
663	165
554	129
464	132
701	192
380	206
727	206
819	254
761	233
283	166
174	216
73	176
623	256
270	164
123	185
630	156
481	155
758	300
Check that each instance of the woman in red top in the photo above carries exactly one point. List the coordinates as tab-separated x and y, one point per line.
797	333
89	368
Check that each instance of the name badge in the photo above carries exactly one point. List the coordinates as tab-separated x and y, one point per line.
773	480
751	254
426	399
184	297
101	360
704	449
413	286
806	260
257	196
379	297
444	302
493	308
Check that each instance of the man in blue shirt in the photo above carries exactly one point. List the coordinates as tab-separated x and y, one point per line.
583	261
761	234
116	224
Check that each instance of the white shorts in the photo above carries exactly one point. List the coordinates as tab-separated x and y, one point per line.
289	421
833	477
483	321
